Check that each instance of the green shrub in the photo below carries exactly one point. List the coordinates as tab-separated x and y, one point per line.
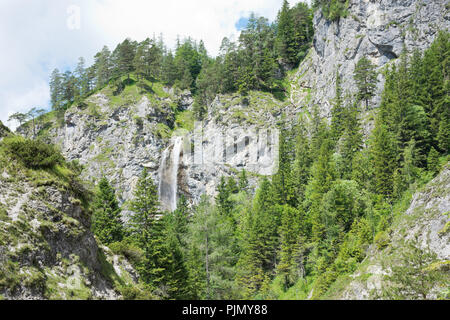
381	240
4	131
136	293
9	275
333	9
129	250
162	131
138	120
34	154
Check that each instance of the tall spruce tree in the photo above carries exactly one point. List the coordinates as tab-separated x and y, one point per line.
303	160
125	57
148	231
365	77
106	222
337	111
290	242
260	242
103	66
383	154
56	89
211	245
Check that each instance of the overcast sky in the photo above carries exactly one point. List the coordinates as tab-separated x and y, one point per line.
40	35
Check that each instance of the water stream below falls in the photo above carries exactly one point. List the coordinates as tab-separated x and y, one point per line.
168	174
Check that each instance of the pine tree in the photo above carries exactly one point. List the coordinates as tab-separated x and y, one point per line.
259	241
282	181
302	162
20	117
103	67
69	88
303	29
223	201
139	63
154	61
169	70
174	234
245	81
212	257
126	54
414	277
383	151
243	181
81	77
443	136
56	89
365	77
163	266
362	168
106	223
285	35
433	161
352	138
288	266
33	115
186	80
148	231
322	176
337	111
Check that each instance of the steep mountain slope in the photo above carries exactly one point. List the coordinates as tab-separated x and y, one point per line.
119	135
47	250
425	222
379	30
3	130
129	125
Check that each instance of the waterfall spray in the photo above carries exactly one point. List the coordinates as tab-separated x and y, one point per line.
168	174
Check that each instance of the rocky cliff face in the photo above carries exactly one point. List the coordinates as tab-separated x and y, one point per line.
236	135
118	136
377	29
47	250
3	130
426	219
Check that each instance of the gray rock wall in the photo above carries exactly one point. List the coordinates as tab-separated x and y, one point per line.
377	29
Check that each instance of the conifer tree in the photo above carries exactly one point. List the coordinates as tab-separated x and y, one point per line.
413	276
81	76
211	244
383	153
302	162
106	223
365	77
243	181
352	138
125	57
56	89
290	237
282	181
139	63
223	201
322	176
103	67
433	161
337	111
259	246
285	35
20	117
169	70
148	232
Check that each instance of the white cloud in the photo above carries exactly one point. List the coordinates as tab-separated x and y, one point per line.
36	37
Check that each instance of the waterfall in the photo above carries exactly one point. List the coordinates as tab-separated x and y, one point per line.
168	174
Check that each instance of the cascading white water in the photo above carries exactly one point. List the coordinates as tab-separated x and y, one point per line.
168	174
